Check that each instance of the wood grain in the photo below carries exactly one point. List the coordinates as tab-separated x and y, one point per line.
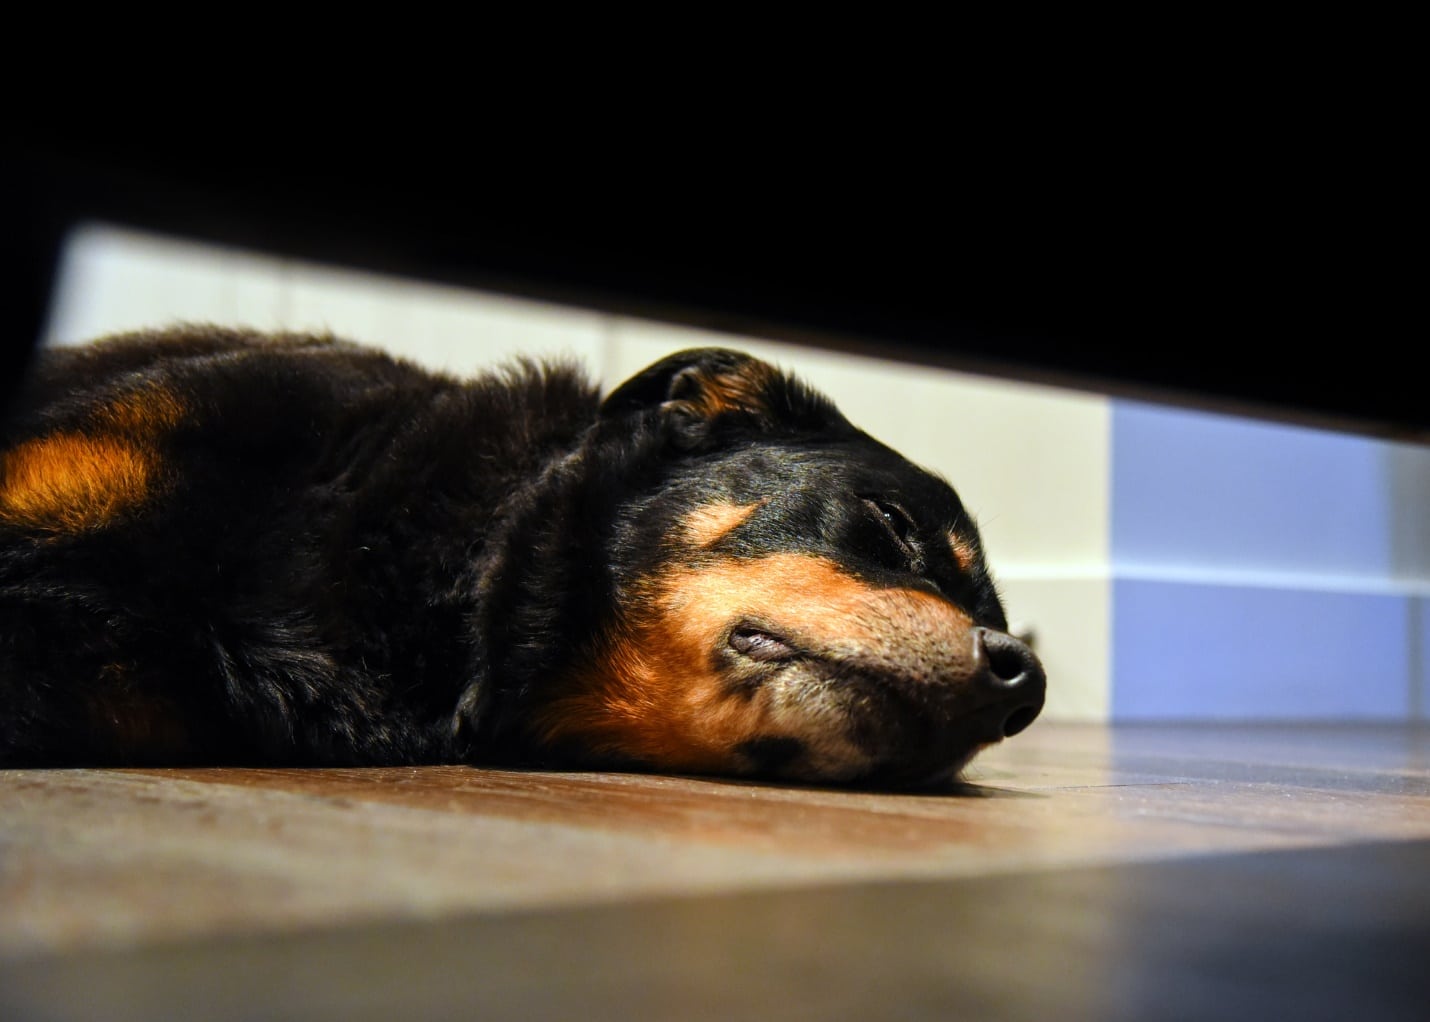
1315	935
123	858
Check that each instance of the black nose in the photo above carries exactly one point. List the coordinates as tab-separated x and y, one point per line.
1011	682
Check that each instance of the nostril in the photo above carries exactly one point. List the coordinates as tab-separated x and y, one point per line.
1013	683
1019	719
1010	662
1005	664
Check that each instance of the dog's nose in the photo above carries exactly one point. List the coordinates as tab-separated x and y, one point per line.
1010	682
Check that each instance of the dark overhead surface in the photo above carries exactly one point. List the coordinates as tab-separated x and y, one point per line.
1214	287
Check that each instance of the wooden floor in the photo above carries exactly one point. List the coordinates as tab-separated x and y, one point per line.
1086	872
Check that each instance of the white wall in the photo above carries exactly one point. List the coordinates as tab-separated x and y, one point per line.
113	280
1030	462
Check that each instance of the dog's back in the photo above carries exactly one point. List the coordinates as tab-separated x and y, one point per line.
221	536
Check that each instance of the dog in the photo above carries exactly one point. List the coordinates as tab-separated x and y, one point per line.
221	547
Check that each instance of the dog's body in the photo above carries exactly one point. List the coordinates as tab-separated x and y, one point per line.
219	547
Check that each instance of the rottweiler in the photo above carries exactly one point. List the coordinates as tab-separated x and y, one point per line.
223	547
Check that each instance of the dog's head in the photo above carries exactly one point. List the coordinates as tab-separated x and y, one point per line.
793	599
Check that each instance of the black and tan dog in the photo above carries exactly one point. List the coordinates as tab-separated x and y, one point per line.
226	548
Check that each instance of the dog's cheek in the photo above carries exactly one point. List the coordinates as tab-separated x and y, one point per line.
644	701
806	707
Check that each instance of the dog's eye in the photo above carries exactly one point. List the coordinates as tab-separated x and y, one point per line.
761	646
897	523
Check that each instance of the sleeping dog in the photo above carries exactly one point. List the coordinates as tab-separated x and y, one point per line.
224	547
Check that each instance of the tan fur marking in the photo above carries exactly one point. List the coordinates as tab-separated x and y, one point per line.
76	480
148	411
807	597
706	526
963	551
658	703
68	482
656	694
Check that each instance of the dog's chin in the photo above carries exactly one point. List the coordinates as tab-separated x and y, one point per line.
915	744
887	768
863	732
932	776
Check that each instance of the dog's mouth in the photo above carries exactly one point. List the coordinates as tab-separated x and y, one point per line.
786	667
878	716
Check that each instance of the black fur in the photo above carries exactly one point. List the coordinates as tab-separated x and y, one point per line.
340	558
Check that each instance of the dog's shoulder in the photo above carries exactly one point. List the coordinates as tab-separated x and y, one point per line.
218	414
92	435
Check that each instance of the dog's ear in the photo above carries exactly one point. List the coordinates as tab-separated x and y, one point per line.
701	381
692	390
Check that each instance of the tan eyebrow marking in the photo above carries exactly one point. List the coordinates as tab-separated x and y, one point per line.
964	552
706	526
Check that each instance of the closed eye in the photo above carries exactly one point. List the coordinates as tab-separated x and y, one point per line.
760	645
899	527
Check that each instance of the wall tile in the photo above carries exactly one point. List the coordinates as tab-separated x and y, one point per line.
1212	493
1420	657
1189	651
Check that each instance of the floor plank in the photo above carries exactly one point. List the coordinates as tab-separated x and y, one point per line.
1313	934
114	859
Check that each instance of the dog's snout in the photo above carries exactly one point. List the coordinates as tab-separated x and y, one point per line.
1009	663
1011	678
